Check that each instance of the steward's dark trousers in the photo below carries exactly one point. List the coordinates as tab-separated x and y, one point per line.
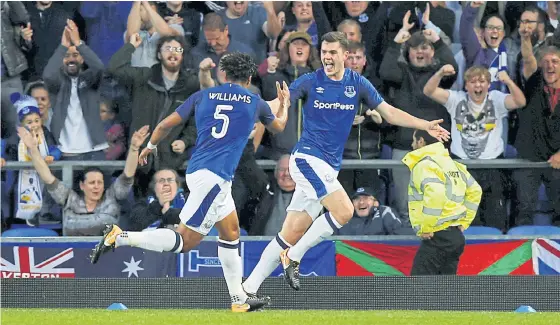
440	254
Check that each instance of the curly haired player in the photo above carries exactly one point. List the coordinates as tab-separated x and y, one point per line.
225	116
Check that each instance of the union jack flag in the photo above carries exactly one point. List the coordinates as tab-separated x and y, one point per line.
24	265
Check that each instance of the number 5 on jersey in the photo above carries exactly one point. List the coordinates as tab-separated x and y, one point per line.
220	116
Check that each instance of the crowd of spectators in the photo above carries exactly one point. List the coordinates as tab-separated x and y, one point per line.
102	74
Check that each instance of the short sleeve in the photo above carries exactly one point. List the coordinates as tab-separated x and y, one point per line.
453	101
185	110
299	88
498	98
264	112
369	94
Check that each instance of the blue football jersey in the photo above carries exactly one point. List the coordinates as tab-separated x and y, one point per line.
225	116
329	111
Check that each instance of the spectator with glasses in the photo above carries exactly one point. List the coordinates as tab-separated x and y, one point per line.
156	93
533	22
145	21
160	209
499	54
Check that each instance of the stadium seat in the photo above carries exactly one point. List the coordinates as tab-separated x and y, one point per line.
534	230
386	152
482	230
542	219
510	152
30	232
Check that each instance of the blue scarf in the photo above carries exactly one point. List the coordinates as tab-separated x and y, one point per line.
499	64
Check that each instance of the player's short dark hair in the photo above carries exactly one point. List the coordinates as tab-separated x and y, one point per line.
239	67
353	47
333	37
422	134
213	21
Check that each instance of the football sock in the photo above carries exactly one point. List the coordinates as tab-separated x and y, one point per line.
322	227
228	253
158	240
270	259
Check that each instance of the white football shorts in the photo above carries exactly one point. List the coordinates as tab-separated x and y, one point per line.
209	201
314	180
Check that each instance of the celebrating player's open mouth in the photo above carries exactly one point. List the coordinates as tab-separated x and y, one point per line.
329	66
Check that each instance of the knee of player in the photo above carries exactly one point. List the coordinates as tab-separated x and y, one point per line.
229	234
344	214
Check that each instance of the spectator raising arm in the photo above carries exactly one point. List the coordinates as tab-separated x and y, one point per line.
38	162
120	64
529	61
516	98
137	140
272	27
134	21
159	23
432	89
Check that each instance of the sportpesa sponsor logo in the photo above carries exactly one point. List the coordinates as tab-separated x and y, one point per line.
319	105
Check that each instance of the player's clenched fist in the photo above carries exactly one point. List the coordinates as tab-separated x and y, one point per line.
447	70
207	64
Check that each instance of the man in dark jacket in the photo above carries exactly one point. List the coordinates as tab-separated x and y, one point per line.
14	16
160	210
271	212
177	12
424	54
46	20
156	93
364	141
371	218
76	123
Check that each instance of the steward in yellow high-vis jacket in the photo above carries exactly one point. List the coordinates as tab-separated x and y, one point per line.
443	199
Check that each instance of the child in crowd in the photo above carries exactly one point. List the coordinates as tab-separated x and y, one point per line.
31	201
114	130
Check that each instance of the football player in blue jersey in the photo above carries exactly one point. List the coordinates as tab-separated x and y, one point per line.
225	116
331	95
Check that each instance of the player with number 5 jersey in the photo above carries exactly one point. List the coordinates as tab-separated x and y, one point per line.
225	116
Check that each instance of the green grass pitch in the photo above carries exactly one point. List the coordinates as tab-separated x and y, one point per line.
268	317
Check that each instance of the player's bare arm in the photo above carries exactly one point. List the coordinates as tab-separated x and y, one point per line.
160	132
280	108
398	117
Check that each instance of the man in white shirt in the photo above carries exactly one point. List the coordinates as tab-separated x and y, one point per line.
477	122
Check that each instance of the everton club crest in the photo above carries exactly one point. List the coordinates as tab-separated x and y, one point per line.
349	91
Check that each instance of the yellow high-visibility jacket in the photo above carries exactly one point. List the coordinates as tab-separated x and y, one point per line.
441	192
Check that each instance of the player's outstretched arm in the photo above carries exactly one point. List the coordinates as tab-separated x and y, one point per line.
160	132
398	117
280	108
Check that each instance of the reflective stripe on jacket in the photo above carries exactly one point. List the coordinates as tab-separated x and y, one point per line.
441	192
